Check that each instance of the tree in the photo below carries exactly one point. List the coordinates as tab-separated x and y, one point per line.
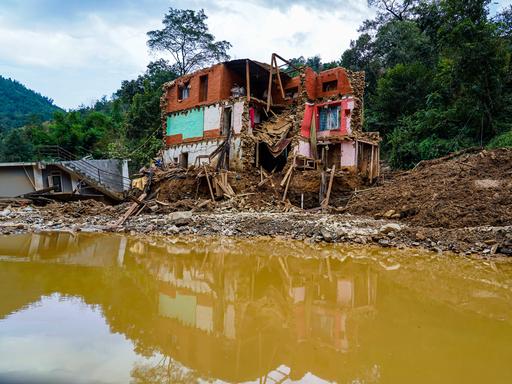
15	146
185	36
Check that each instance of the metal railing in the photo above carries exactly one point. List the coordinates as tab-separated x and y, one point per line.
110	180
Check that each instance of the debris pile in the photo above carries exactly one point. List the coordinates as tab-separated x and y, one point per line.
466	189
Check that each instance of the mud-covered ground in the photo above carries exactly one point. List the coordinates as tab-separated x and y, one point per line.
467	189
461	203
309	227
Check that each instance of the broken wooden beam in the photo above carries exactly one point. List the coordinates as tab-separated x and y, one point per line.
209	184
288	182
325	203
131	210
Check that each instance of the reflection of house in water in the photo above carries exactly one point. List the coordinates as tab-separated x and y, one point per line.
227	316
259	312
65	247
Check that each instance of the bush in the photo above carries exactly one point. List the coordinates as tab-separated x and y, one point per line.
503	140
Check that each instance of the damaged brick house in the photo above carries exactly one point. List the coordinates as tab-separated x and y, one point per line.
243	113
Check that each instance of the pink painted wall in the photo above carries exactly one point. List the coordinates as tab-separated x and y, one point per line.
348	154
304	148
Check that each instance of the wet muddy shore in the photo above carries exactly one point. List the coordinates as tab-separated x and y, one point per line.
483	241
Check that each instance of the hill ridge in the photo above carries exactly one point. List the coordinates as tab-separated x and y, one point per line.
19	105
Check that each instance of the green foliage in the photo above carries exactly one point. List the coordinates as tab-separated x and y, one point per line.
15	147
126	126
185	36
438	76
20	106
502	140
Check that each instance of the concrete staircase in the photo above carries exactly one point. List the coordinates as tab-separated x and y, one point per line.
107	182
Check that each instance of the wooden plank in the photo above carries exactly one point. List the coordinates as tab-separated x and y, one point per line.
285	178
279	79
130	210
248	80
371	166
209	184
325	203
269	90
288	183
286	61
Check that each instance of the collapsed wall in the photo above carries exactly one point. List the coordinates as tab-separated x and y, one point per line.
253	118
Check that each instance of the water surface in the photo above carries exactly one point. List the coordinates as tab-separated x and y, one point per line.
114	309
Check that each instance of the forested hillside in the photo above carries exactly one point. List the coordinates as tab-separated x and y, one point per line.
20	105
438	77
438	72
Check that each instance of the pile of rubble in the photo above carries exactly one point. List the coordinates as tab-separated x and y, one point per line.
466	189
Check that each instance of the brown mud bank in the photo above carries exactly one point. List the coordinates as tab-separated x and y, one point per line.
92	216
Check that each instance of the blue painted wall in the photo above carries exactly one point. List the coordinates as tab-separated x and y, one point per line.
189	124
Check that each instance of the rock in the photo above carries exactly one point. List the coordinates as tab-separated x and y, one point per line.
389	213
180	217
390	227
327	235
395	216
6	212
420	236
506	250
384	242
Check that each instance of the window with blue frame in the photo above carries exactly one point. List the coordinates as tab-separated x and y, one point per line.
330	117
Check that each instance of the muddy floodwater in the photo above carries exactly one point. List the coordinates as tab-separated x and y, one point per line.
91	308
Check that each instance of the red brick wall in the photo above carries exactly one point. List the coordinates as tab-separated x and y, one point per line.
228	79
338	74
221	80
216	89
314	83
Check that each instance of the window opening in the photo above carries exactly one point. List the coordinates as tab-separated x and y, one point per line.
292	92
330	86
203	88
329	118
56	181
226	120
184	160
184	91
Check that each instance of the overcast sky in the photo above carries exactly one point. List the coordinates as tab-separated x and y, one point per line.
76	51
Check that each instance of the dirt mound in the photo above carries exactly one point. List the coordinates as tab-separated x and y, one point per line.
461	190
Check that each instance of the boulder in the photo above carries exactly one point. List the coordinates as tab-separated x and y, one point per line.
390	227
180	218
327	235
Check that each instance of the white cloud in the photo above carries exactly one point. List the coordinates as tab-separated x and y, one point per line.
84	55
299	30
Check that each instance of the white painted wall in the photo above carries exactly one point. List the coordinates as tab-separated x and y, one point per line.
238	110
350	106
348	154
38	176
304	148
212	115
194	149
235	153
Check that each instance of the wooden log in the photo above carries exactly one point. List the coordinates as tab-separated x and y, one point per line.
267	178
325	203
248	80
288	172
371	165
269	90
